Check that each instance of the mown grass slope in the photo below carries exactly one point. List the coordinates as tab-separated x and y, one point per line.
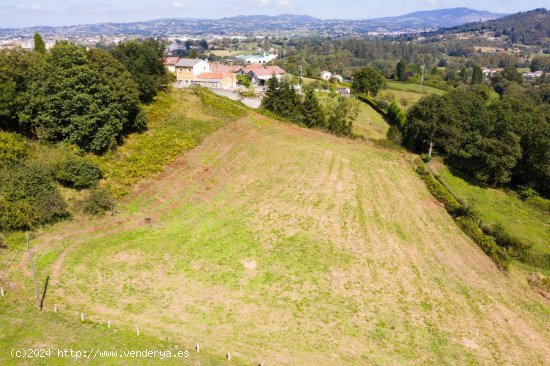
290	246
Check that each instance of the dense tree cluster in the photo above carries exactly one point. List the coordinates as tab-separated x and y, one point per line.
283	100
497	142
84	97
87	98
76	97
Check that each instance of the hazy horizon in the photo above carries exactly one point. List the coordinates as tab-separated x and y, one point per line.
15	14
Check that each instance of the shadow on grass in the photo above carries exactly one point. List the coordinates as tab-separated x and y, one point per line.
44	292
466	177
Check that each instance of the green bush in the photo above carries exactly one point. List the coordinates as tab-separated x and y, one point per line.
466	217
78	173
394	135
485	242
140	123
98	202
426	158
17	215
29	198
12	148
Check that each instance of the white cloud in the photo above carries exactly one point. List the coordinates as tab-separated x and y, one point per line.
283	2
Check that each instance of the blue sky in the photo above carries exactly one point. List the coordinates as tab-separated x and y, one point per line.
66	12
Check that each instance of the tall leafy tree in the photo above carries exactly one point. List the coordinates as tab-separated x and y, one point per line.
368	81
85	99
144	61
17	66
39	45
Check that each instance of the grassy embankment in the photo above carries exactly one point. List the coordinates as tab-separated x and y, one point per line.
519	218
279	244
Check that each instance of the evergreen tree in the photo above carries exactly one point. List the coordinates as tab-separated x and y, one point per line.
401	70
313	114
477	75
39	45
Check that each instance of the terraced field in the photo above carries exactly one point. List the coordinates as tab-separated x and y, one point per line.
280	245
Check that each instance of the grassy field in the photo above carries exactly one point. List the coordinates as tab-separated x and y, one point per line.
398	85
370	123
405	94
496	206
282	245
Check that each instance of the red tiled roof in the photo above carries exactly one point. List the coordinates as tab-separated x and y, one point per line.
266	71
170	60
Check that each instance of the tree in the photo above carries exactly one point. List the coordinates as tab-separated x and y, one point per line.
341	117
511	74
368	81
39	45
477	75
424	124
17	66
244	80
397	116
401	70
144	62
313	114
84	98
540	63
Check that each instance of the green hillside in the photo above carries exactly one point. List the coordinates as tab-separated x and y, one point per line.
273	243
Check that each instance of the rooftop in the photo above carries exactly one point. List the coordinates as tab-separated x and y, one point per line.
188	62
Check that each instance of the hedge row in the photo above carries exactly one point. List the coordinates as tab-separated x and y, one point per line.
437	190
486	243
464	216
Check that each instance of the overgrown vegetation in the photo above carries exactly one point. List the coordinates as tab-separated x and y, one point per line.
466	218
284	101
497	142
57	105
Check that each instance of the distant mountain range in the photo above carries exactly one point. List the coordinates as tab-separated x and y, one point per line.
264	25
530	27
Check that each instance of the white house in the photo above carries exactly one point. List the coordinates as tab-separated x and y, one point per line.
532	75
257	59
260	74
327	75
192	66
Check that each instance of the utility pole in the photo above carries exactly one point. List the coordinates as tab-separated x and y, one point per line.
422	79
33	272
